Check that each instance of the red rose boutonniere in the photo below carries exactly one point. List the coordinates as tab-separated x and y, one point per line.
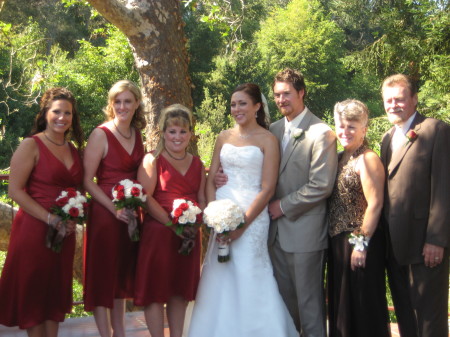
411	135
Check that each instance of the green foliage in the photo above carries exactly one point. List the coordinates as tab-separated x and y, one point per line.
212	117
301	36
77	293
434	96
92	71
29	68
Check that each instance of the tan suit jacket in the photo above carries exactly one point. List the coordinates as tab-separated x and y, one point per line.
417	193
306	178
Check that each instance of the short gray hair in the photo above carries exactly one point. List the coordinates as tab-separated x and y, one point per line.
352	110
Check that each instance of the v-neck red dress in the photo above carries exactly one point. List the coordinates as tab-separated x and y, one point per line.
36	283
161	271
110	255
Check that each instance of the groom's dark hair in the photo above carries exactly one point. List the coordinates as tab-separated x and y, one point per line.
292	76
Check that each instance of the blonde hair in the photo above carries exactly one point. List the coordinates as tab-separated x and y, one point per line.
175	114
138	120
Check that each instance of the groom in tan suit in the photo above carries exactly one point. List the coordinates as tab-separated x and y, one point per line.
416	213
298	230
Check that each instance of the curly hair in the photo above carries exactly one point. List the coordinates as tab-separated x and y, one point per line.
138	120
75	132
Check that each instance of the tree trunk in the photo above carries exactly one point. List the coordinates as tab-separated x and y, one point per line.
154	29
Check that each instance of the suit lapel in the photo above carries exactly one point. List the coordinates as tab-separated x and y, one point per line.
293	143
386	151
398	155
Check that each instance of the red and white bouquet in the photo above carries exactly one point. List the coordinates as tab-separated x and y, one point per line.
129	194
186	215
70	205
223	216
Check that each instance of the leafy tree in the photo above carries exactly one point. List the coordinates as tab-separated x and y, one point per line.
21	57
301	36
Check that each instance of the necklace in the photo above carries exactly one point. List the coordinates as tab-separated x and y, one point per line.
171	156
52	141
120	133
247	136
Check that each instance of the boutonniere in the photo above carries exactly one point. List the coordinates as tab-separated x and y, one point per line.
411	135
297	133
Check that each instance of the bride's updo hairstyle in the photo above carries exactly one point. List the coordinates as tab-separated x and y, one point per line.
254	92
173	115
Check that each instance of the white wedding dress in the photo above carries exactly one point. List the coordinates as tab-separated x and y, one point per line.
240	298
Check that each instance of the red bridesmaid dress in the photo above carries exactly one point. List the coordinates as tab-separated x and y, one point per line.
110	255
162	272
36	283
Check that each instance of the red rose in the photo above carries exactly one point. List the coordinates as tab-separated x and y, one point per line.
74	212
135	192
120	195
411	135
71	192
62	201
184	206
178	212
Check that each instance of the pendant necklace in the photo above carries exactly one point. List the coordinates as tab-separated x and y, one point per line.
52	141
120	133
171	156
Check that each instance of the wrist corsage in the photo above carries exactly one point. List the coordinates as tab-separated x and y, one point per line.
359	241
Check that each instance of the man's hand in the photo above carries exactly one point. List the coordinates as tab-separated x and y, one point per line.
221	178
275	209
432	254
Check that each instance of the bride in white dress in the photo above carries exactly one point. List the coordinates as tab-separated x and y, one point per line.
240	298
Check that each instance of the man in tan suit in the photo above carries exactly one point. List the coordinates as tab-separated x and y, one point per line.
416	214
298	230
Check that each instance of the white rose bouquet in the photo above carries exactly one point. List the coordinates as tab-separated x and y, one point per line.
186	216
223	216
131	195
70	205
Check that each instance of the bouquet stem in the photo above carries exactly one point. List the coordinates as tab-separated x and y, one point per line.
133	228
224	252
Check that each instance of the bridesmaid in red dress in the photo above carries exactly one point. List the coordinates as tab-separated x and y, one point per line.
164	276
36	282
113	153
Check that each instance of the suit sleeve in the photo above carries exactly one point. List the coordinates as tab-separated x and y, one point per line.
322	175
438	230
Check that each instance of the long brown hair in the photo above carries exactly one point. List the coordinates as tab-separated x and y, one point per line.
75	132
